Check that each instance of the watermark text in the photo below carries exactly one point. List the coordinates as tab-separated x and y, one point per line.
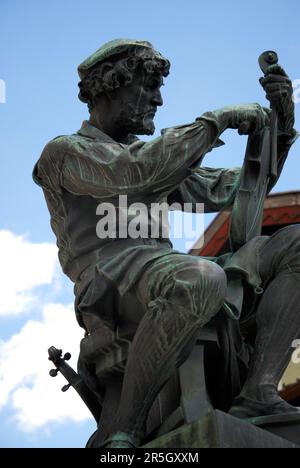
151	221
296	353
2	92
296	94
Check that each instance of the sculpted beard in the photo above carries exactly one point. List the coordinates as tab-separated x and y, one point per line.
137	123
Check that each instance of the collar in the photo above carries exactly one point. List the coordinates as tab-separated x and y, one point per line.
89	131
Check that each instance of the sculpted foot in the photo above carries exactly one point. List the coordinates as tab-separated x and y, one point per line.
247	408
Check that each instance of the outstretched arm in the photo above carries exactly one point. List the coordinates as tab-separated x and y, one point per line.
104	170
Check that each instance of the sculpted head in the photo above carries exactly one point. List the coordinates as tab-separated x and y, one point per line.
121	84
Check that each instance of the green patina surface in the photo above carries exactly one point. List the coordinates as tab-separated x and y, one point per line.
219	430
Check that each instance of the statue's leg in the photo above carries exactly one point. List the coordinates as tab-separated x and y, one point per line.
179	295
278	325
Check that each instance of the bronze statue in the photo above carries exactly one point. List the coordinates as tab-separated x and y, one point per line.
140	302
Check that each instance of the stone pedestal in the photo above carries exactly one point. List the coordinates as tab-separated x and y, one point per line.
286	426
220	430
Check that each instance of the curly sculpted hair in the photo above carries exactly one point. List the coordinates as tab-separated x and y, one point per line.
110	75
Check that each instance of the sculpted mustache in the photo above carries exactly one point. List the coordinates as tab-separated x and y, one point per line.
151	110
141	114
134	117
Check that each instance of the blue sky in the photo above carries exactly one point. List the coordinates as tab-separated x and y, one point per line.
213	48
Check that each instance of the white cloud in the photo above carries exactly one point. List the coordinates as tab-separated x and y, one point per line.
24	267
25	383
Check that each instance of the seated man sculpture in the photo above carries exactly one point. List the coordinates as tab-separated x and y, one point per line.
140	288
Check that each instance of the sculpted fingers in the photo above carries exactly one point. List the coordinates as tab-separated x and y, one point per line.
272	78
275	92
276	70
261	118
276	81
244	128
254	118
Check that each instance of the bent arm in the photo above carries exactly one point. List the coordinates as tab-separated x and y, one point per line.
215	188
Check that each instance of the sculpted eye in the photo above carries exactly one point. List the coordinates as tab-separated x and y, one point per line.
150	87
154	85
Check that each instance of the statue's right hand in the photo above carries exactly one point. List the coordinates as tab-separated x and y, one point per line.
247	118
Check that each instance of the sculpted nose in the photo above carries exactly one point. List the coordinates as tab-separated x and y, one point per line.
157	99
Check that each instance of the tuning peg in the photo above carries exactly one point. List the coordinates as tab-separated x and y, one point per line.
67	357
53	372
65	388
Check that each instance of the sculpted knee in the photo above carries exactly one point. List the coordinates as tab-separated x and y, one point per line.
214	274
201	291
290	232
286	245
211	287
294	234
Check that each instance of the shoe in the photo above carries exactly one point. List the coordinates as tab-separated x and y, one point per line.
246	408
